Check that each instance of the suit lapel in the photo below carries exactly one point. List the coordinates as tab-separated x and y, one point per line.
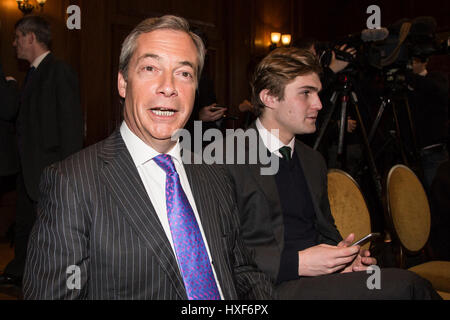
312	178
208	208
122	179
269	187
35	80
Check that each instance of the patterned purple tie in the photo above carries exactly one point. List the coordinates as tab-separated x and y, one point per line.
187	239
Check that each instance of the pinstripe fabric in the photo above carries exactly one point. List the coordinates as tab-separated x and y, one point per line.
94	213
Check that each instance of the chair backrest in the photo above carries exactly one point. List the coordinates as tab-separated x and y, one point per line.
348	205
408	208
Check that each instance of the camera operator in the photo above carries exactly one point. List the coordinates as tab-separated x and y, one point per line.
331	69
329	79
428	98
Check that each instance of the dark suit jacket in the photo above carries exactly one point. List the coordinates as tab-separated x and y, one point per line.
95	213
9	162
49	119
260	208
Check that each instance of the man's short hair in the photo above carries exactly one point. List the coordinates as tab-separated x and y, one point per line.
165	22
37	25
304	43
278	69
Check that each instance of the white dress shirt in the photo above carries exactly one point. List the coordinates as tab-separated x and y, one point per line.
271	141
39	59
154	180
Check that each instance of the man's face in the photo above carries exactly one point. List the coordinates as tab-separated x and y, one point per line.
22	43
297	112
160	90
418	66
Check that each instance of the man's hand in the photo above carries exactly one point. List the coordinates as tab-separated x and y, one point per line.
362	261
325	259
339	65
209	113
245	106
351	125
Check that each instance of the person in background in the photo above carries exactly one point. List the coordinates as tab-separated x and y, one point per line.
49	125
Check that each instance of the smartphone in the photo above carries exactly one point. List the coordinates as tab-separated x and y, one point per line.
367	238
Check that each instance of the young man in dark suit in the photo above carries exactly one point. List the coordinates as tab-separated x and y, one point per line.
285	217
129	218
49	126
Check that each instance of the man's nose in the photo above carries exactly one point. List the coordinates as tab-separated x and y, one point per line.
317	104
167	85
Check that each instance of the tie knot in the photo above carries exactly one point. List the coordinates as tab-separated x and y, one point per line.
286	152
165	162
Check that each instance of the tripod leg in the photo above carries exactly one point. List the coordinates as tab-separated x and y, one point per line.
413	131
399	137
377	120
343	125
371	160
326	121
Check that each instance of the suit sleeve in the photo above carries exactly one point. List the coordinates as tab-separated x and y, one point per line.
8	98
70	118
251	282
57	265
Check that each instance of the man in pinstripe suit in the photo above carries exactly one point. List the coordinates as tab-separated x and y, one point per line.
102	230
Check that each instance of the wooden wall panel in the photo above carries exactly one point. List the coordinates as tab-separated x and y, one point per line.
237	31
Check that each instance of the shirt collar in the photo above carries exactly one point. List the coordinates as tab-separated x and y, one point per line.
141	152
39	59
424	73
271	141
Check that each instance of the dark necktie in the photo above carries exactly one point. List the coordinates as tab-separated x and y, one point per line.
187	239
28	76
286	152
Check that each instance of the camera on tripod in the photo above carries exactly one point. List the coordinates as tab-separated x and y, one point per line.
387	48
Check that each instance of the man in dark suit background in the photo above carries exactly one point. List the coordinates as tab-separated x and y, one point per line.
286	220
48	122
105	228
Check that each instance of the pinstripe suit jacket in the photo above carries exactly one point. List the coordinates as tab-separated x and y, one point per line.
94	213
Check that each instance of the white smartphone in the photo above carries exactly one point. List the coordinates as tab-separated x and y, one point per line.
367	238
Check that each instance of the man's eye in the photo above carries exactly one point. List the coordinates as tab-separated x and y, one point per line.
186	74
306	93
149	68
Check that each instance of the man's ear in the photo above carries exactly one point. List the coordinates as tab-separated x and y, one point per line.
268	99
121	85
31	37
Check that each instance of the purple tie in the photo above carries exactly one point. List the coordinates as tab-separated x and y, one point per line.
187	239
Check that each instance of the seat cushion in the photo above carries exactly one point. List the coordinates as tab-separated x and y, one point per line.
437	272
348	205
444	295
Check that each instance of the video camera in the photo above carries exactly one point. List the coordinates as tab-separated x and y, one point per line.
387	48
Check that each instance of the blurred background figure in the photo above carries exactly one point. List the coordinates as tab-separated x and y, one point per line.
9	160
206	108
49	126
